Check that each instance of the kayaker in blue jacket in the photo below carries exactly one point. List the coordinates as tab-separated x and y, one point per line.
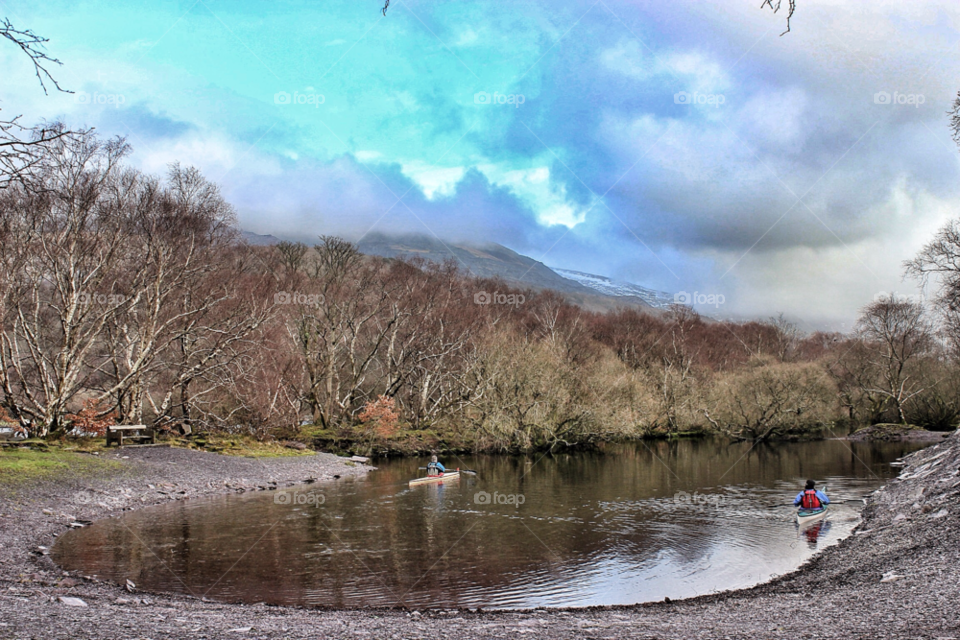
811	498
434	468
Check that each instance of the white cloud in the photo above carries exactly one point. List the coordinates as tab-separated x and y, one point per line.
433	181
534	188
367	156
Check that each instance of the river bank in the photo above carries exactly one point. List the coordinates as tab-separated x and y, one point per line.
421	443
897	577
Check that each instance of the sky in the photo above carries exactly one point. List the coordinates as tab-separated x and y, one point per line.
684	146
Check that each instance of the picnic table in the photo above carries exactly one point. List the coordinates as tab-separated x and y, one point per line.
139	433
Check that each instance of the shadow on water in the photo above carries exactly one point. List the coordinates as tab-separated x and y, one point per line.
631	523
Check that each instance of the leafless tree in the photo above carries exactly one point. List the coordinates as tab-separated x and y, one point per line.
940	260
856	378
61	252
762	401
119	286
896	334
774	5
787	338
341	316
21	146
34	47
184	273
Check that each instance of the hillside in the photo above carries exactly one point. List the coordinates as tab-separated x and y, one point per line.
491	260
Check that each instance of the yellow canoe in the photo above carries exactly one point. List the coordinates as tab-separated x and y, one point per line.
449	475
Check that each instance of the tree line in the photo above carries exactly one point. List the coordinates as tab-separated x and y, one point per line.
131	297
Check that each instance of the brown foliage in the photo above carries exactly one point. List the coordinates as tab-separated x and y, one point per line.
92	418
381	414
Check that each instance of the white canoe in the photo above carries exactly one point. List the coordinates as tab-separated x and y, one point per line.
449	475
806	516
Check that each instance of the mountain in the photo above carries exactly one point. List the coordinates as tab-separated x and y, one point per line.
487	260
617	289
490	260
259	240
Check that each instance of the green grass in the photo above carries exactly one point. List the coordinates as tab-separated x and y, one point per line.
243	446
20	466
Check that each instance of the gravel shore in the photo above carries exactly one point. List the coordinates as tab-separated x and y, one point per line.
898	576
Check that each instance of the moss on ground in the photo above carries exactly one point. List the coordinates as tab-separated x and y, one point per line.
35	459
23	465
244	446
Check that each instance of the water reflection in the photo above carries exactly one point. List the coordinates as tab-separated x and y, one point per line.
815	531
634	523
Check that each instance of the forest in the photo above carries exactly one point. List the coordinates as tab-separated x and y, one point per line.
131	298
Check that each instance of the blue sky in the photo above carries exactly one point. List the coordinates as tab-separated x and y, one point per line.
683	146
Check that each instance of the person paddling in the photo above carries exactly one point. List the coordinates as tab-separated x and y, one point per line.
811	498
434	468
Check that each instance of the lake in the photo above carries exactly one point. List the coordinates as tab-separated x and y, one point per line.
631	523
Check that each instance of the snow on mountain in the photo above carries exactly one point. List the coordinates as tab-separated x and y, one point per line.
608	287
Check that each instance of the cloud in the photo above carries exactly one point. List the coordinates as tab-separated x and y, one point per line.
679	145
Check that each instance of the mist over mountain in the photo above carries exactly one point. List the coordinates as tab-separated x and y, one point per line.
492	260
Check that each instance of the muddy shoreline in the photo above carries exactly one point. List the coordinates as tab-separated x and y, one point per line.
898	576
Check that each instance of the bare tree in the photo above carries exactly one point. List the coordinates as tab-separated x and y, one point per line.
33	46
896	334
60	258
856	378
939	260
119	286
673	374
183	272
339	319
775	7
21	147
766	400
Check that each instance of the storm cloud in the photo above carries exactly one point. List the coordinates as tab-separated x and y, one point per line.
683	146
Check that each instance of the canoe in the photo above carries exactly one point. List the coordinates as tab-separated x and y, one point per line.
449	475
805	516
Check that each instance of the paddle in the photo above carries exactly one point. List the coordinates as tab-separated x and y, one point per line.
780	506
467	471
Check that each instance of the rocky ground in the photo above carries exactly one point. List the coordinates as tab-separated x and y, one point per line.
897	577
896	433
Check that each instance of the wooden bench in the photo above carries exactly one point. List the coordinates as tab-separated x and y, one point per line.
139	433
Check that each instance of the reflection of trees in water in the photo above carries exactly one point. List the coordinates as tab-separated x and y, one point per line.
372	541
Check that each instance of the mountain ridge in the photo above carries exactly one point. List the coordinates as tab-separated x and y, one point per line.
492	260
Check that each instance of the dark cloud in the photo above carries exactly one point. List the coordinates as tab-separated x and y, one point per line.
139	121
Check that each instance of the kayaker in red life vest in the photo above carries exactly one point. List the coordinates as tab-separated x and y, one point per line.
811	498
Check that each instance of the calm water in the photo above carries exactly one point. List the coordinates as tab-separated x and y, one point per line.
635	523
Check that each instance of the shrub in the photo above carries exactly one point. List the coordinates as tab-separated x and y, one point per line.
92	419
382	416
